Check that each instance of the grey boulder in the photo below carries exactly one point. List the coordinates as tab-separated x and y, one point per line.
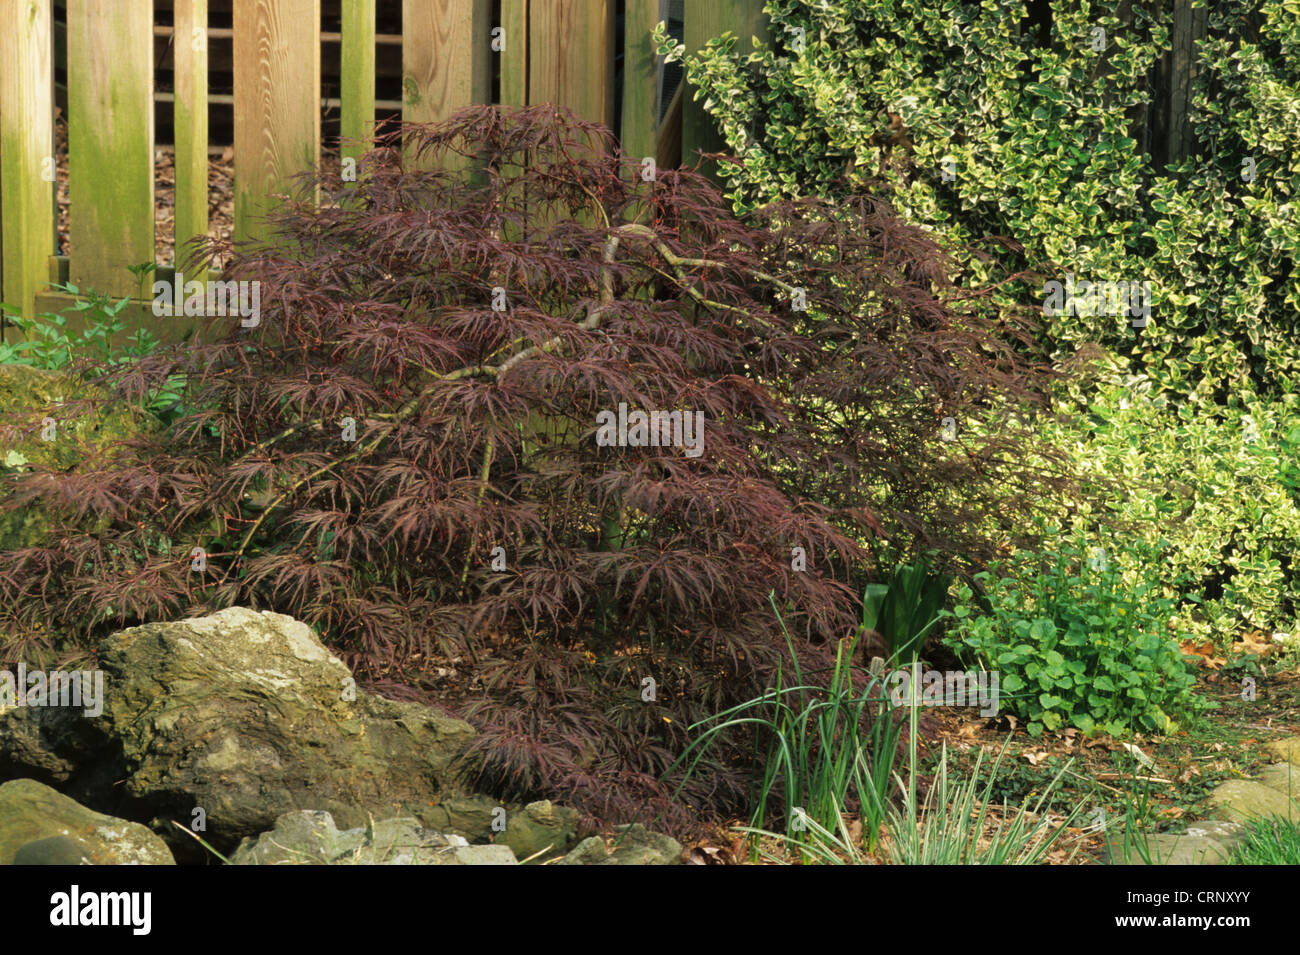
632	845
311	838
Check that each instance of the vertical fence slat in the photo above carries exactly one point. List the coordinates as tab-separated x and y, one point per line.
357	76
26	150
514	58
640	70
110	142
277	102
571	56
446	57
706	19
191	124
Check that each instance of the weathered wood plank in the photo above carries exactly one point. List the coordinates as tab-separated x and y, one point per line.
571	56
357	77
706	19
26	151
446	57
640	70
110	142
191	125
668	143
513	56
277	103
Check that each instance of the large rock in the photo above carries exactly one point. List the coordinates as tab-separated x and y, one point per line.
1286	749
541	830
245	716
1284	777
27	391
312	838
1240	799
632	845
1205	843
40	826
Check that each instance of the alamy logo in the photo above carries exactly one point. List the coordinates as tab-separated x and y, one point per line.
1084	298
945	688
658	429
77	688
195	298
133	909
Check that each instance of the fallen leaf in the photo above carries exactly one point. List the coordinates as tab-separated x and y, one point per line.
706	855
1256	643
1203	652
855	832
1144	779
1137	754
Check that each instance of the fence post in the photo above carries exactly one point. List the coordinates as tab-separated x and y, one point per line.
706	19
1173	135
514	55
277	103
640	72
190	39
571	56
446	57
110	142
357	78
26	151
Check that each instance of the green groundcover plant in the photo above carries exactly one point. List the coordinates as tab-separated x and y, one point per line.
824	743
1076	642
45	342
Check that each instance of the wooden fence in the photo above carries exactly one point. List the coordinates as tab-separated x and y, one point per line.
452	53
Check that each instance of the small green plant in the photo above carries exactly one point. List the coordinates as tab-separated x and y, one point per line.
1133	842
47	343
142	273
201	841
1075	643
956	823
824	745
905	608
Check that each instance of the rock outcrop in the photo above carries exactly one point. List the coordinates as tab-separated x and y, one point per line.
39	826
238	718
